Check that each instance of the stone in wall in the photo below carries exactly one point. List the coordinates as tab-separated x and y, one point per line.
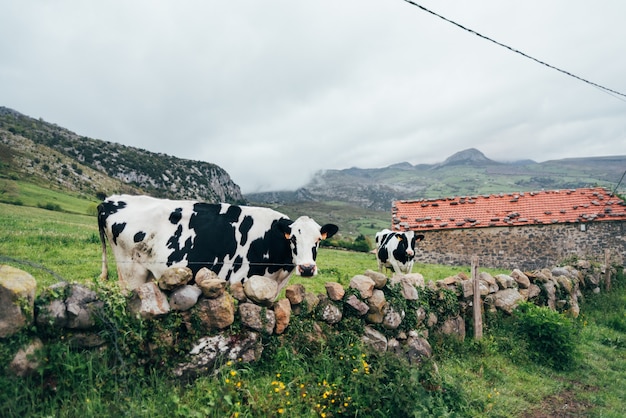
523	282
215	314
364	285
257	318
73	306
295	293
505	300
184	297
374	339
82	306
454	326
282	313
527	247
148	301
376	303
329	312
17	300
358	305
261	290
174	277
207	351
380	279
25	362
334	291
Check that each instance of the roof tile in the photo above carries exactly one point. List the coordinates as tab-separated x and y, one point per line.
509	209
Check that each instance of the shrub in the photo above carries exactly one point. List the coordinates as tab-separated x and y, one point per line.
50	206
551	336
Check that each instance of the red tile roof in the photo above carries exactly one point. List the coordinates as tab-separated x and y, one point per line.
508	209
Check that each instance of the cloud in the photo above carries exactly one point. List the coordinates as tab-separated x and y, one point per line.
273	92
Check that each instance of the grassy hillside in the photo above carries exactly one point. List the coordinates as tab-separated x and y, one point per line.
495	377
352	220
22	193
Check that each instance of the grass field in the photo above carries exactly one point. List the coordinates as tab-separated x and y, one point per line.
494	377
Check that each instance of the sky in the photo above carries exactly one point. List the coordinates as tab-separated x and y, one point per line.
275	91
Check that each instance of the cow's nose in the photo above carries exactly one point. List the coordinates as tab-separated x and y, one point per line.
307	270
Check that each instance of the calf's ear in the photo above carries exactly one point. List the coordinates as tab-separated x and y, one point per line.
329	230
419	237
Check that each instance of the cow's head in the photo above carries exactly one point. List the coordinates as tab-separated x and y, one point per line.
408	240
304	235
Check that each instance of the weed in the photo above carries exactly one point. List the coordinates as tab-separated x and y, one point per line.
551	336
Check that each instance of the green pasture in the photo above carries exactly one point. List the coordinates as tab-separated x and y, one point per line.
28	194
52	245
494	377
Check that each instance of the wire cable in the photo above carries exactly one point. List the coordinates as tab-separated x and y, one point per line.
607	90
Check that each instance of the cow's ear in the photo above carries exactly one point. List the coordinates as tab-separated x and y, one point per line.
329	230
284	226
400	237
419	237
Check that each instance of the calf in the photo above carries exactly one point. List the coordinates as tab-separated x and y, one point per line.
149	235
396	250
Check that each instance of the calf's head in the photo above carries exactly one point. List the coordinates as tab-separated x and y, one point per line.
407	242
304	235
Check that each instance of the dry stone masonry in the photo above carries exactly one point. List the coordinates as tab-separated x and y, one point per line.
395	313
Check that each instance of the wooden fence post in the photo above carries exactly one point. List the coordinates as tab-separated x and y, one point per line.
607	267
478	315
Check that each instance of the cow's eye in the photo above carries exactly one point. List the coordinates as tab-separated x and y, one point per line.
293	240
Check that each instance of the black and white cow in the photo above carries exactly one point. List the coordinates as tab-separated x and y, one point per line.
396	250
148	235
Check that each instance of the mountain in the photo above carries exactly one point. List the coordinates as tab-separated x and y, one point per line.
39	151
43	153
465	173
466	157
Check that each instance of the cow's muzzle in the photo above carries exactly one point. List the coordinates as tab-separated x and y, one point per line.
307	270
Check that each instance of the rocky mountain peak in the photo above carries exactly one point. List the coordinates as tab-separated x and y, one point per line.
468	156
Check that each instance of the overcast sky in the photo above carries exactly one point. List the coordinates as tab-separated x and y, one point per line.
273	91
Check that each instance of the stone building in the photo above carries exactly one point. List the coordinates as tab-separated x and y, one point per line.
527	230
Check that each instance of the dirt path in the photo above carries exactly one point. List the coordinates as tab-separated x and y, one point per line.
562	405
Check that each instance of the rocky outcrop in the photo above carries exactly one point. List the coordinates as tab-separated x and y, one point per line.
75	162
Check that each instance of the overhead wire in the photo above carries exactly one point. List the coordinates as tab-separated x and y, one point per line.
604	89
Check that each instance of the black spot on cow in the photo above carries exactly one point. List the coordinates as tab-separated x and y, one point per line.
176	216
139	236
213	234
400	252
106	209
244	228
272	252
383	255
117	229
237	264
179	251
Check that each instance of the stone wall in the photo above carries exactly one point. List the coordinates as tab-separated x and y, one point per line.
398	314
525	247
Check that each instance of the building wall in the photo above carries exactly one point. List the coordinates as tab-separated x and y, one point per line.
527	247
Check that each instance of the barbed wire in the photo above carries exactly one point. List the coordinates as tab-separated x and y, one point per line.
38	266
98	260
